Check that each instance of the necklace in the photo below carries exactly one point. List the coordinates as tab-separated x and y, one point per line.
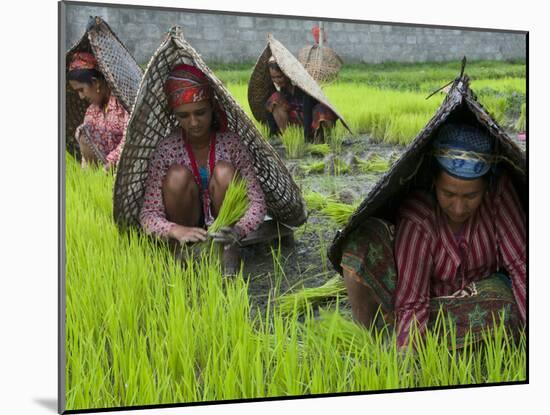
196	173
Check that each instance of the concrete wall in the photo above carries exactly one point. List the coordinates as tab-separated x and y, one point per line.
232	38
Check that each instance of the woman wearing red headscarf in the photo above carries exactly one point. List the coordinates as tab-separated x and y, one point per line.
192	167
100	136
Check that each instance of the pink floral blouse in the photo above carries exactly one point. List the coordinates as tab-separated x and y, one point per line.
106	129
171	151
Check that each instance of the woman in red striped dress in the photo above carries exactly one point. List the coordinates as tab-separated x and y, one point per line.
460	247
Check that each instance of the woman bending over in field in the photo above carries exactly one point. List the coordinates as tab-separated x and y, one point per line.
100	136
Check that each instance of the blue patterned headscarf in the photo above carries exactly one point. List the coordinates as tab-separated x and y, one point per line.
462	150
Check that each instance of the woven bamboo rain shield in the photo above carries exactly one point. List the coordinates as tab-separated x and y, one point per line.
260	86
411	169
152	120
117	65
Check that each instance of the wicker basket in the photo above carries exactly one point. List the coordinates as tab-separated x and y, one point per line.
321	62
260	86
117	65
413	170
151	121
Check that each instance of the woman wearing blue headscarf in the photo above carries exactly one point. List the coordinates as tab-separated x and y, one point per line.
460	247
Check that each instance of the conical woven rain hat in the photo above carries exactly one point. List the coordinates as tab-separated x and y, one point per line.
260	86
413	168
115	62
321	62
152	120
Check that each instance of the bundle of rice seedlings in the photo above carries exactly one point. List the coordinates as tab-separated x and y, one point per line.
316	167
336	137
343	331
318	149
521	122
264	129
234	206
316	201
299	300
293	140
340	167
339	212
374	164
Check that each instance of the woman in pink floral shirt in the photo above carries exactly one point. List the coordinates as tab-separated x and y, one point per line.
191	168
101	135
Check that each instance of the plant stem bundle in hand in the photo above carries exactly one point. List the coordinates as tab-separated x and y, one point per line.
234	206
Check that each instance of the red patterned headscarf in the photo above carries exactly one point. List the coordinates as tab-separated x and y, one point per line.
82	60
187	84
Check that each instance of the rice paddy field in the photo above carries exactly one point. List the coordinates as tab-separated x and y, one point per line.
142	329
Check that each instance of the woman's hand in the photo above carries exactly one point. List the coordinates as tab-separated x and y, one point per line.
186	234
226	235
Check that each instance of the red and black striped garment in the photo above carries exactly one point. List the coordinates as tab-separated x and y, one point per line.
432	262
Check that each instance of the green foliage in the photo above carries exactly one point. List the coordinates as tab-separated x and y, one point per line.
318	149
316	201
298	300
339	212
340	167
315	167
421	77
374	164
293	140
521	123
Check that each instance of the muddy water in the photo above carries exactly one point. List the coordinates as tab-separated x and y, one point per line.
304	262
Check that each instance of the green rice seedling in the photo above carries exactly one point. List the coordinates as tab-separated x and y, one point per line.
374	164
336	138
373	111
340	167
234	206
296	301
339	212
496	106
521	123
278	266
264	129
502	85
293	140
318	149
323	256
403	128
316	167
426	76
316	201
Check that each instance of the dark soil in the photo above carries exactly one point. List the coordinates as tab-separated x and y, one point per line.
304	263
